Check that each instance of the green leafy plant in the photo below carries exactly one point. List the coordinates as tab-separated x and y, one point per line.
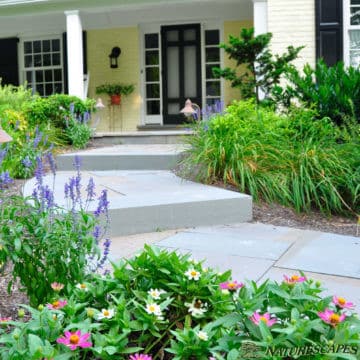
289	159
262	70
115	89
79	133
333	91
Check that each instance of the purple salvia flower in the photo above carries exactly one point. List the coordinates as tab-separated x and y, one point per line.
66	190
90	189
3	153
48	197
27	162
72	108
77	162
97	233
106	252
5	180
39	171
37	139
102	205
86	117
51	162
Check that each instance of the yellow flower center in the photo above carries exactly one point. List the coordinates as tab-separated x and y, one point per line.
152	308
83	286
264	319
74	339
231	285
198	304
334	318
295	278
341	301
56	304
193	273
106	313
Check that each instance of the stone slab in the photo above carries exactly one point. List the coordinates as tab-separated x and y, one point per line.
223	244
325	253
144	201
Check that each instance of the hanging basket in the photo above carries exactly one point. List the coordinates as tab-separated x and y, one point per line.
115	99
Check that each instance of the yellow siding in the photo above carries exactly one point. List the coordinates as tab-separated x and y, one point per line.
293	23
232	28
100	42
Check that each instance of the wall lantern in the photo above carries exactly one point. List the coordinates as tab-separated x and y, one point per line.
191	109
115	53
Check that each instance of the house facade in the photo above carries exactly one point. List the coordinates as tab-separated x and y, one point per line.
167	48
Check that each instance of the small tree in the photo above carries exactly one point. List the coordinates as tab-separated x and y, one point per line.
262	69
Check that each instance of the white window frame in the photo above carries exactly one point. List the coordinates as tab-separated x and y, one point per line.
22	69
155	28
347	28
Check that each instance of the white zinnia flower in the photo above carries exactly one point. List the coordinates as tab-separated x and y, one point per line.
82	287
155	293
197	308
202	335
154	309
192	274
105	314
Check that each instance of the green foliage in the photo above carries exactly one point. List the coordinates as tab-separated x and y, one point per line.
115	89
262	70
293	160
55	109
45	245
333	91
79	133
114	311
14	97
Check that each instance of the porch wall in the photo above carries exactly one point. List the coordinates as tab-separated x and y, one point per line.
100	42
232	28
293	23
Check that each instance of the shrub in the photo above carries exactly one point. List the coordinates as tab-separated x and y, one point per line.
77	131
333	91
46	243
292	160
167	306
13	97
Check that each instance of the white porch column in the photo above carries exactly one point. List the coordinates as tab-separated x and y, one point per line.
74	53
260	17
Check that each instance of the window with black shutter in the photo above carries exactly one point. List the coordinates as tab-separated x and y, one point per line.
9	69
329	30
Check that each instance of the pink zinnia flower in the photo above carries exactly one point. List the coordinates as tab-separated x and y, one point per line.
331	318
140	357
231	285
5	319
56	305
294	279
73	340
256	318
57	286
342	303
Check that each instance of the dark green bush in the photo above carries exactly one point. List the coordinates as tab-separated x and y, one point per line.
292	160
333	91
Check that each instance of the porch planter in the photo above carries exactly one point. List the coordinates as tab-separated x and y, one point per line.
115	99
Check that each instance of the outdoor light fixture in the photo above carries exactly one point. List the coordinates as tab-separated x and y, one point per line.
4	136
191	109
99	106
115	53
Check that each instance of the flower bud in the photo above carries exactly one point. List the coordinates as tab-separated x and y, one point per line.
318	284
21	313
41	307
293	321
90	312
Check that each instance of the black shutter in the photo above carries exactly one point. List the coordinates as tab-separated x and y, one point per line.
65	65
9	69
329	30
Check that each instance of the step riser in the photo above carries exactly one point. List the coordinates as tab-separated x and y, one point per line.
145	139
130	221
119	162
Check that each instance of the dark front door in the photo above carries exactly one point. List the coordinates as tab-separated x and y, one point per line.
181	61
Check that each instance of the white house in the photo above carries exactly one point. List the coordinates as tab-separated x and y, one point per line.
168	47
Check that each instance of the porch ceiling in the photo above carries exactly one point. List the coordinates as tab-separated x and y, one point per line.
26	7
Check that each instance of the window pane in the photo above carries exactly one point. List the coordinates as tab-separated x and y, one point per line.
57	75
355	58
152	57
212	55
28	61
190	77
28	47
212	101
47	60
56	59
153	91
55	45
48	76
29	76
39	76
173	109
355	15
213	88
153	107
40	89
37	60
58	88
46	45
151	41
190	35
355	2
37	46
152	74
172	35
49	89
209	71
212	37
173	81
